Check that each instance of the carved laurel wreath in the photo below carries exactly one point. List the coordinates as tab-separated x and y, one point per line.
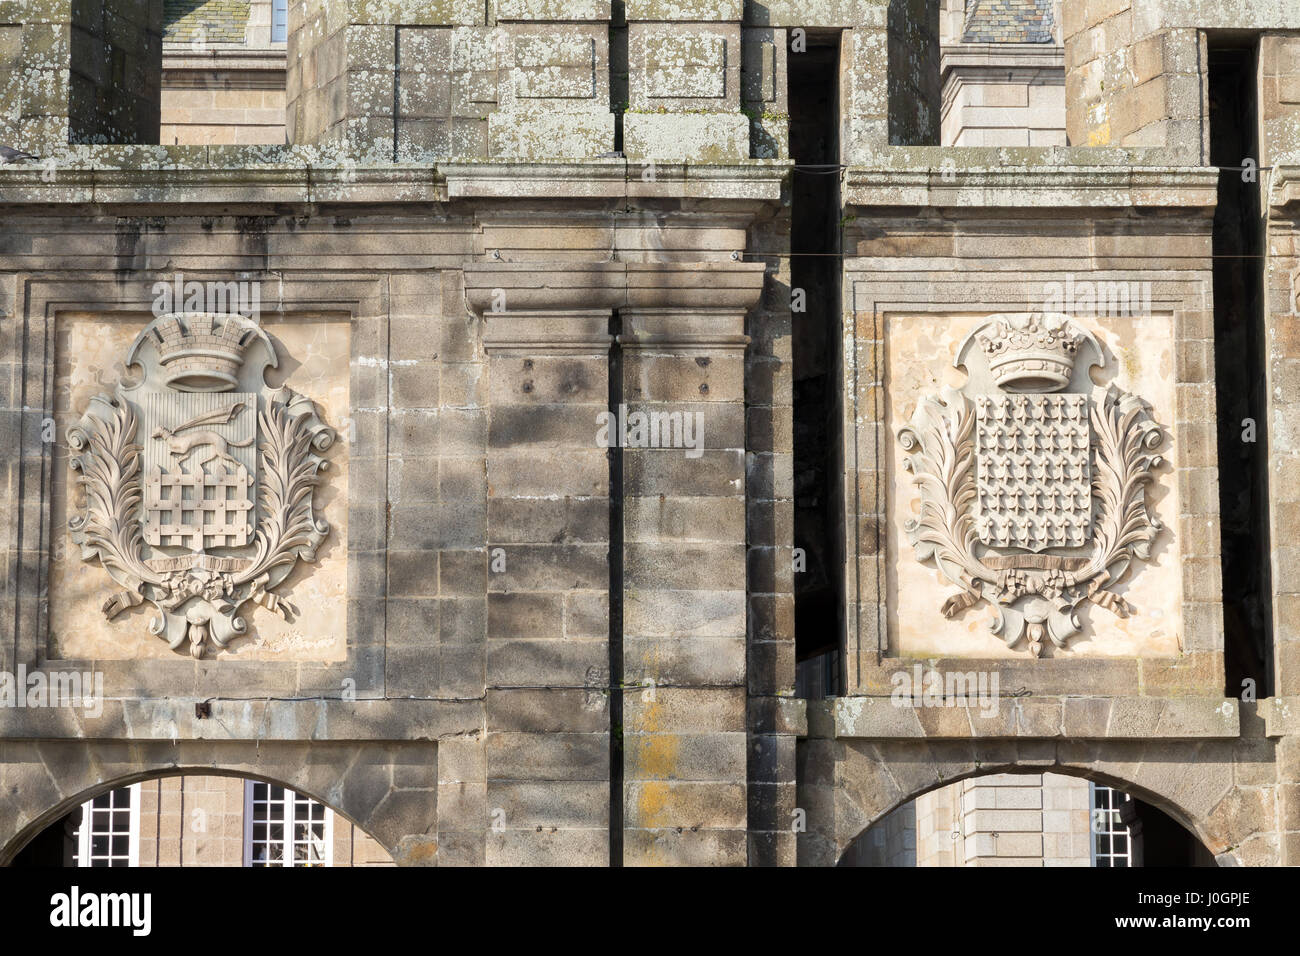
110	528
941	455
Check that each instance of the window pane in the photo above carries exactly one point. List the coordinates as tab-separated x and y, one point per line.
279	21
288	829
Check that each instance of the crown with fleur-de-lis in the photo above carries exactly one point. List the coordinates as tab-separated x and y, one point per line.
1031	352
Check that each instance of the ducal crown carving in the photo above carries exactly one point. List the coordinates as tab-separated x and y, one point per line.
202	351
1031	352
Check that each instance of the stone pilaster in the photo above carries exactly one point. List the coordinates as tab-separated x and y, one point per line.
764	91
547	716
684	647
345	61
553	92
1131	81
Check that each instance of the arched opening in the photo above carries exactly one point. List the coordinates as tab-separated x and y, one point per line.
199	819
1027	819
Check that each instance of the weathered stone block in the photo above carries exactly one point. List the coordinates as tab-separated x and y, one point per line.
550	136
701	138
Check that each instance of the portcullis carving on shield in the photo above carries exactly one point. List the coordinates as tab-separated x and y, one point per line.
198	481
1033	485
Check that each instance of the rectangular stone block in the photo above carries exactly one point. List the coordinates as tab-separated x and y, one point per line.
516	756
553	10
555	66
685	66
547	848
687	137
715	10
531	616
550	136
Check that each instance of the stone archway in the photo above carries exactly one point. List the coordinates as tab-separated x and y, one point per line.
361	782
1026	818
848	785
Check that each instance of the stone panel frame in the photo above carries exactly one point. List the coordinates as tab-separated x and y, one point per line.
364	301
912	288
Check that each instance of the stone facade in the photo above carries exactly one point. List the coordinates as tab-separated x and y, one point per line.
521	633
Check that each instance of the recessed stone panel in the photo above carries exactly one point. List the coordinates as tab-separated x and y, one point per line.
549	66
1003	535
686	66
313	361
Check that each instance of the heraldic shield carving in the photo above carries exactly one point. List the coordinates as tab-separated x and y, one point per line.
198	481
1033	487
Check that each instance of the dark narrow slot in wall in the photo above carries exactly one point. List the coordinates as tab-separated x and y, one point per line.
1239	362
815	286
615	607
618	83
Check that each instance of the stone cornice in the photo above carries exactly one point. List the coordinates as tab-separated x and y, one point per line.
1002	56
164	175
1043	187
684	329
615	178
1284	188
223	59
218	183
576	332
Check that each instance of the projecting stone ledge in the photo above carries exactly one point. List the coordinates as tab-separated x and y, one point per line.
312	174
1072	718
616	178
1281	716
261	720
954	181
1284	188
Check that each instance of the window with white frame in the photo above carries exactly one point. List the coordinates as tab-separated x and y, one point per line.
1112	844
109	834
283	828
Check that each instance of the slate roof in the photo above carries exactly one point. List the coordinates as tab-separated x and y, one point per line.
1009	21
223	21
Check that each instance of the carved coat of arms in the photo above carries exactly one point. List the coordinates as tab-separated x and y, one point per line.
1033	488
198	481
